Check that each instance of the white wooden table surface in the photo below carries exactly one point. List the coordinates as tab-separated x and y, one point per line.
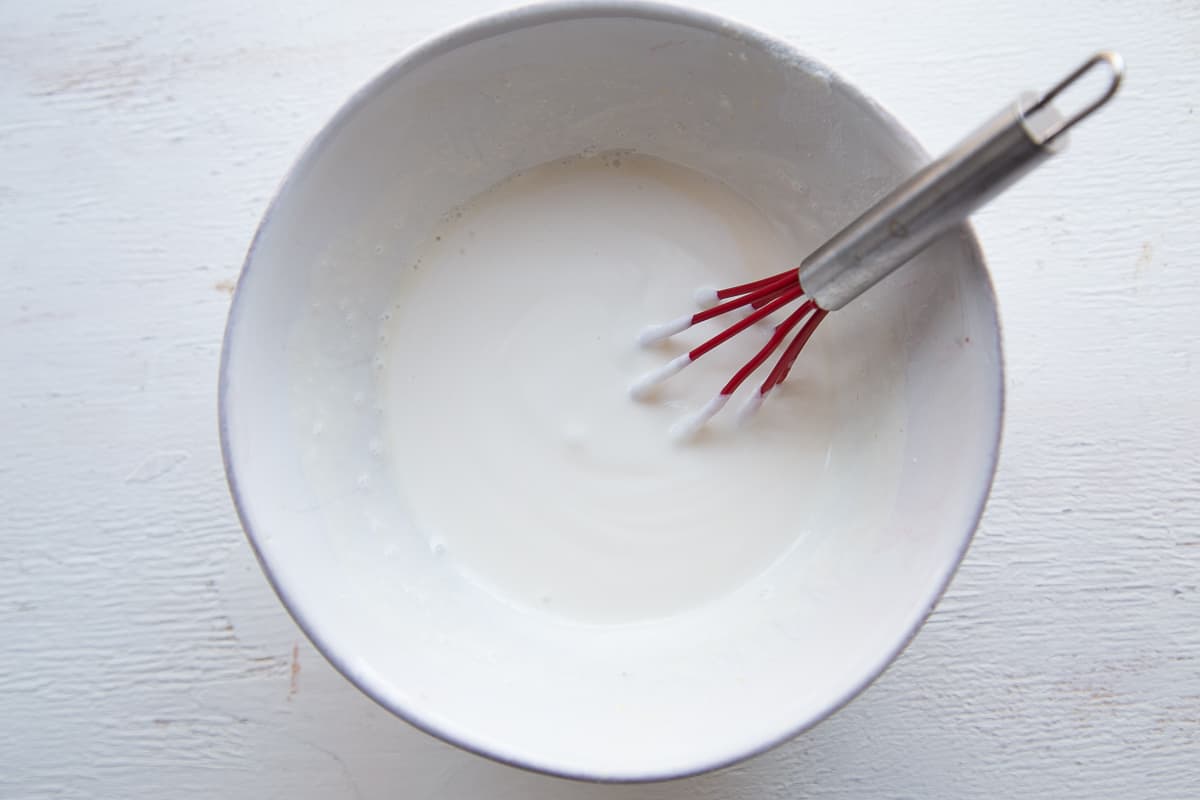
142	653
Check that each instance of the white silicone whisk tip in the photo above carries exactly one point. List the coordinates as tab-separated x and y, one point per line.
643	387
747	311
706	297
690	425
746	412
665	330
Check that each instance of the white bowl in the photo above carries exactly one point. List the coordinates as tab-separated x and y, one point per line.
662	698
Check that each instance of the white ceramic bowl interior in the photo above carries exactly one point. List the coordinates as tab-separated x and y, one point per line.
625	702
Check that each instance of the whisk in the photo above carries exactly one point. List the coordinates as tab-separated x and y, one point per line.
883	238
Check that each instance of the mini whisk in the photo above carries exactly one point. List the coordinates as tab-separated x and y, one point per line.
883	238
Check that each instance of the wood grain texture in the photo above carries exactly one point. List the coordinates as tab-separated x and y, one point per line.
143	654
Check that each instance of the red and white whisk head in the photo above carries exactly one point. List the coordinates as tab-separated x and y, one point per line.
764	297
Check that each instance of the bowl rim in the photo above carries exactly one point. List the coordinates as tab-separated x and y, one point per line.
499	23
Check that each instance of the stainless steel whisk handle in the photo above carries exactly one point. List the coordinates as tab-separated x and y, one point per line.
947	191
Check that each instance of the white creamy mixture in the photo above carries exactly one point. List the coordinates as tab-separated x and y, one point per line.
513	441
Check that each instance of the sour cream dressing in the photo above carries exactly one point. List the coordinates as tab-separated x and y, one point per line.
514	444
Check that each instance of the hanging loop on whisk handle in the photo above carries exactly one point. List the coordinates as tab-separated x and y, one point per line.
947	191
